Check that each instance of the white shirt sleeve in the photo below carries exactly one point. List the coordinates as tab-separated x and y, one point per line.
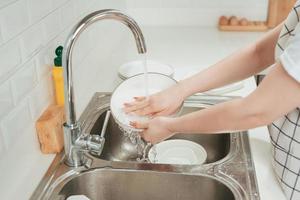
290	58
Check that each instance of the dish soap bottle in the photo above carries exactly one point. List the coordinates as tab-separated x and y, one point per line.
57	73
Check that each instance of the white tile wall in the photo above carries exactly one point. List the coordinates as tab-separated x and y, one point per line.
41	97
24	81
31	41
15	123
38	9
6	99
193	12
2	145
10	57
51	26
67	14
12	22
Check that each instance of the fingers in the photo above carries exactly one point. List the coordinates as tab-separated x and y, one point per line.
145	111
139	125
139	98
131	107
142	125
147	137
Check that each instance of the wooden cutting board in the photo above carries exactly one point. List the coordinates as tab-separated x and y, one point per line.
278	11
49	128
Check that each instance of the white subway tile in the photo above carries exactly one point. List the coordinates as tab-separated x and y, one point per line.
6	100
31	41
1	38
83	7
24	81
10	57
51	26
45	58
14	19
41	97
16	122
59	3
4	3
115	4
2	144
44	62
38	9
64	35
67	13
83	47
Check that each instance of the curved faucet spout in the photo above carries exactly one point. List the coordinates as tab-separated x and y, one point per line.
72	129
75	33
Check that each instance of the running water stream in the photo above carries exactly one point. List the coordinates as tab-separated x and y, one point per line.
146	80
141	146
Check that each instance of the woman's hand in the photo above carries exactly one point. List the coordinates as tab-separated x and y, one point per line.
155	130
162	103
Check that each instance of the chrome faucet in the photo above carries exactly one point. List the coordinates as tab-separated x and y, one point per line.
76	142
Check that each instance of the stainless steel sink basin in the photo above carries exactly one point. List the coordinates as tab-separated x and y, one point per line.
228	173
119	148
142	185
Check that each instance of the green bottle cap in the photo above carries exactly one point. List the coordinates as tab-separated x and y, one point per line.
58	51
57	62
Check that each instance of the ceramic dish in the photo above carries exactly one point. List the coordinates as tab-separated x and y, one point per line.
136	67
181	152
132	87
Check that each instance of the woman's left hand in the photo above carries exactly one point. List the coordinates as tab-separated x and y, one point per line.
155	130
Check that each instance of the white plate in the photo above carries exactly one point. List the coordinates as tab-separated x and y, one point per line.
181	152
185	73
133	68
225	89
133	87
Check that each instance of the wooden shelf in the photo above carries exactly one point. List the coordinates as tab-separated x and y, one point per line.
253	26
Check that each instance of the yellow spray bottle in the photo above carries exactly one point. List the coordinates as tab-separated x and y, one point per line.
57	73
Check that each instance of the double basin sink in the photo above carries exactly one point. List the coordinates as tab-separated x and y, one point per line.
227	174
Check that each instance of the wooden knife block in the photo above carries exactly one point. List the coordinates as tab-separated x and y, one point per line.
50	129
278	11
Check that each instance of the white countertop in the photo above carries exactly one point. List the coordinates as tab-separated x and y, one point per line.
187	49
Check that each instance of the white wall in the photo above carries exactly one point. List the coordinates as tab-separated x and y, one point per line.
193	12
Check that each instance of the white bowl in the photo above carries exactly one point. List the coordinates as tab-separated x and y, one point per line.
177	151
132	87
136	67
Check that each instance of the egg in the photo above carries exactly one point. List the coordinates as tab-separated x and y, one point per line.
223	21
233	21
243	22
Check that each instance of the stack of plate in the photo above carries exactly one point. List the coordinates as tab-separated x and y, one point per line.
177	151
133	68
134	87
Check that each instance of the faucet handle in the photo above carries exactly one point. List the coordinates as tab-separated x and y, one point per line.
95	144
91	143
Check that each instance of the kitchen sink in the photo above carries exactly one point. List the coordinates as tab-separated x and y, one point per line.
114	184
227	174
